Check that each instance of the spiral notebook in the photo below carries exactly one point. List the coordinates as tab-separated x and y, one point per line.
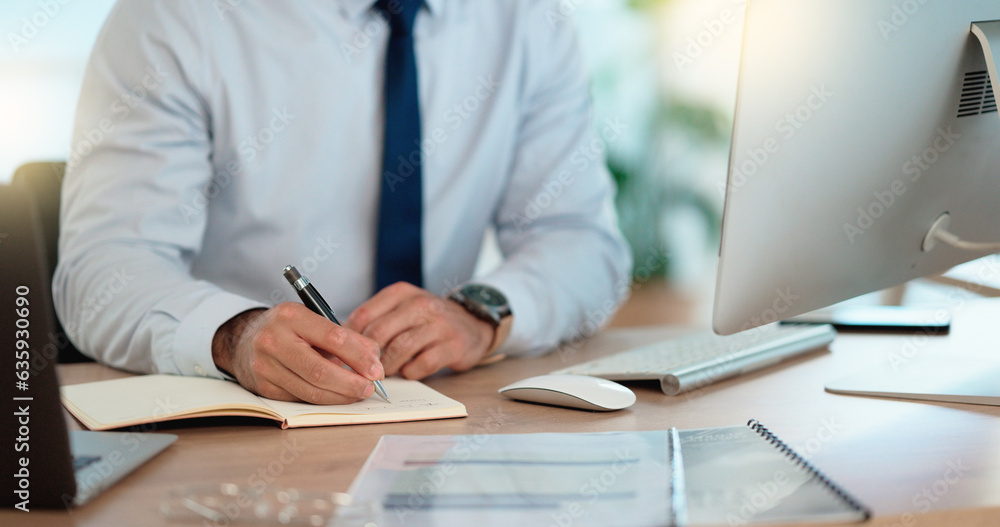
740	475
744	475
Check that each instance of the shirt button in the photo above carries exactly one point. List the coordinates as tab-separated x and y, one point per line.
200	370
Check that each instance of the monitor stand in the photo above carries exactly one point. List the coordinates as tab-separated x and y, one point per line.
943	379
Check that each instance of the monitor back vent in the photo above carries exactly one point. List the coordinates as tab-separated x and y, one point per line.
977	95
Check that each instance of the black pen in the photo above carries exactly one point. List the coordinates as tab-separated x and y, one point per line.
314	301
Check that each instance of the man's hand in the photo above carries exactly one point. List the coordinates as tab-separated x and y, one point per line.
420	333
292	354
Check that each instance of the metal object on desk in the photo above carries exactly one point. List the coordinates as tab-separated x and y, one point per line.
232	504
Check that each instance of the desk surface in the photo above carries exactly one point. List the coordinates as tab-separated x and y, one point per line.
896	456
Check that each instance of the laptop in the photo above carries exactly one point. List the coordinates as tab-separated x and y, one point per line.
51	466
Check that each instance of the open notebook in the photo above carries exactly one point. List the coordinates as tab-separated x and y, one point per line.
144	399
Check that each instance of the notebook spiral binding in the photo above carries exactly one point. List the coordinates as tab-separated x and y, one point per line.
796	458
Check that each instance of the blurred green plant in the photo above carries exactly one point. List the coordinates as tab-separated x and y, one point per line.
658	166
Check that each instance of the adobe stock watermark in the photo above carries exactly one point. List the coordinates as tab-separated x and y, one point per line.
457	114
201	197
711	30
925	499
249	149
828	429
363	37
913	344
460	111
786	127
913	170
228	512
595	319
48	353
33	24
99	301
421	495
254	144
590	493
580	160
784	300
291	450
322	250
987	272
120	108
761	498
900	14
646	267
931	494
756	329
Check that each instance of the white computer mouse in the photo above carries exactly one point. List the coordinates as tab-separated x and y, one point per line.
575	391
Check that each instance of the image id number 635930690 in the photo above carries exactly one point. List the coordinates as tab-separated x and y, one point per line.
22	355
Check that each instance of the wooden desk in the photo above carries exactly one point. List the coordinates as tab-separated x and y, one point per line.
893	455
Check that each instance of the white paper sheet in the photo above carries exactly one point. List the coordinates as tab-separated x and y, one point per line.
620	478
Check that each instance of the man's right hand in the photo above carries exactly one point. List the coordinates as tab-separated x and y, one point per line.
290	353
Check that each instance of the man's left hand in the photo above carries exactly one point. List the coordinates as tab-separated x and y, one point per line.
420	332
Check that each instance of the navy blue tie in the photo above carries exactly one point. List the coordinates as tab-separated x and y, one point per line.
398	254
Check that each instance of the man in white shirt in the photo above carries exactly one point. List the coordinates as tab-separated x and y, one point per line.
218	142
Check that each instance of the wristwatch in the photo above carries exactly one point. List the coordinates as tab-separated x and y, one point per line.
486	303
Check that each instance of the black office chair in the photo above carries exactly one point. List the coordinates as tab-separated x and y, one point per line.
41	185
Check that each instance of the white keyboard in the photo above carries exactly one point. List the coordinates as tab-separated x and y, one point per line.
692	361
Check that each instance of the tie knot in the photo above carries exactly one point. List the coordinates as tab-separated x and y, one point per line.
400	14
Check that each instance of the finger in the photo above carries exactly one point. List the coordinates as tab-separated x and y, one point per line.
291	339
273	391
331	357
265	376
299	389
412	312
407	345
257	374
316	377
429	361
384	301
358	352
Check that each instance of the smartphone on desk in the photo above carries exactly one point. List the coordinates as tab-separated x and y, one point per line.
888	319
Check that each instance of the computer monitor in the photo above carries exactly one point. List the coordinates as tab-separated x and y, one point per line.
859	124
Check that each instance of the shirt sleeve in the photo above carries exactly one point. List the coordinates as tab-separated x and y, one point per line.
123	287
566	266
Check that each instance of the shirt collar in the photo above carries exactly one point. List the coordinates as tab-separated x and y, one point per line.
355	8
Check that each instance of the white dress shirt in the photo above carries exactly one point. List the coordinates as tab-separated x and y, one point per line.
217	142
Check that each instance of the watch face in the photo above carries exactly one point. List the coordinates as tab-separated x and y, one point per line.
484	295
